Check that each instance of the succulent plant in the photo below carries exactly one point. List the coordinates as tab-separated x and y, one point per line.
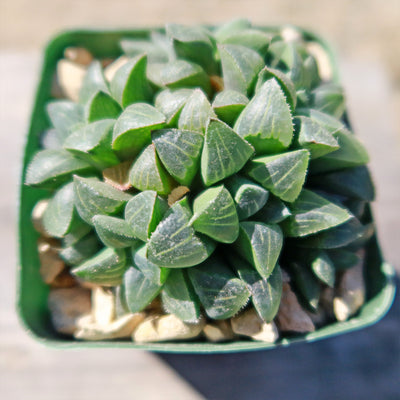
212	160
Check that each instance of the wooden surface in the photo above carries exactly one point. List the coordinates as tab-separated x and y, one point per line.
360	364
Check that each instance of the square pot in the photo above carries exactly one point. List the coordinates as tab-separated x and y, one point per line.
32	292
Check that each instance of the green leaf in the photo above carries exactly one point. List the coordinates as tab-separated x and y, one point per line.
228	104
312	213
78	252
240	66
144	212
65	116
179	298
339	236
174	243
184	74
274	212
130	84
101	106
154	75
113	232
229	28
170	103
283	80
315	138
139	290
92	143
307	285
221	293
351	153
266	121
50	168
323	268
214	214
133	127
224	153
76	233
295	58
151	271
196	113
283	174
93	197
343	259
106	268
352	182
147	173
93	82
250	38
260	244
329	98
249	197
59	215
332	124
50	139
265	293
179	151
136	47
193	44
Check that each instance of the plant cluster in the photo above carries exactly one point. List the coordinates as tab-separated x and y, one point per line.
214	158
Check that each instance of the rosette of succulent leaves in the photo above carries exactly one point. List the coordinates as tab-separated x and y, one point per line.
212	159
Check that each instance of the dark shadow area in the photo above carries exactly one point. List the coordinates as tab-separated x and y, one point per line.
360	365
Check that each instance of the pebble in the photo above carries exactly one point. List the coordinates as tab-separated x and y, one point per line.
249	323
218	331
323	61
78	55
166	328
103	306
51	264
89	329
112	68
176	194
350	291
67	306
37	216
291	317
70	77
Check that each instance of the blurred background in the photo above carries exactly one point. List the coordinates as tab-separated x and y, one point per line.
366	37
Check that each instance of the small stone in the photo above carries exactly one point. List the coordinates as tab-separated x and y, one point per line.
249	323
176	194
37	217
118	176
323	61
350	291
218	331
51	264
112	68
155	307
285	276
291	317
63	280
70	77
103	306
78	55
56	91
120	328
290	34
67	306
326	301
165	328
217	83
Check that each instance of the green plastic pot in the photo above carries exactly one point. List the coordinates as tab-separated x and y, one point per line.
32	292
